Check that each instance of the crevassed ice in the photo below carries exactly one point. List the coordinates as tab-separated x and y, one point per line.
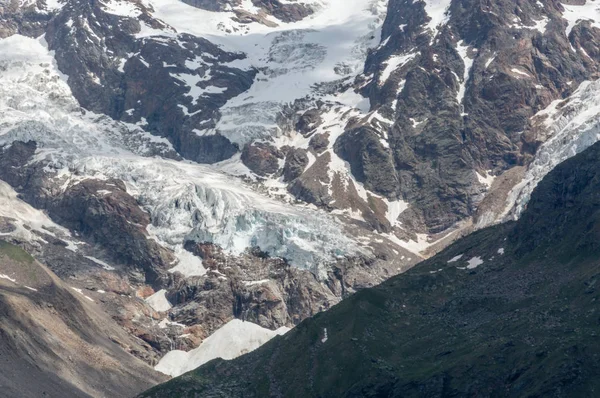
189	201
185	200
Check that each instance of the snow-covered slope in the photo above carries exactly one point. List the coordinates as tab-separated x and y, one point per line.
294	59
24	217
235	338
572	125
185	200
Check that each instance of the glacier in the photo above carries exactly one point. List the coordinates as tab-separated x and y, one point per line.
294	59
185	200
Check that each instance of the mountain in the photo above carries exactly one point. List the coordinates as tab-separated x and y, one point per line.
55	340
510	310
191	164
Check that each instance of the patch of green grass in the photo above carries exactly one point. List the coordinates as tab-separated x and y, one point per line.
15	253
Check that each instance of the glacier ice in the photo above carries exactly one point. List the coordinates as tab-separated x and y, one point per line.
185	200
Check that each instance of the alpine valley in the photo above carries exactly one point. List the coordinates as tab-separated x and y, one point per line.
185	180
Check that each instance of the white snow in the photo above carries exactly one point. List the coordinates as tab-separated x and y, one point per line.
488	180
501	251
254	283
395	62
165	323
394	209
325	336
520	72
189	264
541	25
101	263
474	262
574	14
4	276
455	259
437	10
158	301
82	293
463	51
233	339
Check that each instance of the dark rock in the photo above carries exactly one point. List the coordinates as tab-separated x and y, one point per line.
296	161
105	212
213	5
310	186
263	159
286	12
309	121
370	161
319	142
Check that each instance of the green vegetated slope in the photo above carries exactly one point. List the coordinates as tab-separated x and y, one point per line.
525	322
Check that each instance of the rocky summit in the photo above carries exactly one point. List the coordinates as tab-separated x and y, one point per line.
209	171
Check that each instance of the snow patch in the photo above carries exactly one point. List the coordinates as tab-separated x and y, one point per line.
158	301
474	262
438	11
455	259
254	283
393	63
101	263
325	336
488	180
4	276
189	264
166	323
233	339
82	293
394	209
463	51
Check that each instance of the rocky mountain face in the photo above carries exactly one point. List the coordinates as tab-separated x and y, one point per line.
507	311
451	87
55	340
203	161
461	85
